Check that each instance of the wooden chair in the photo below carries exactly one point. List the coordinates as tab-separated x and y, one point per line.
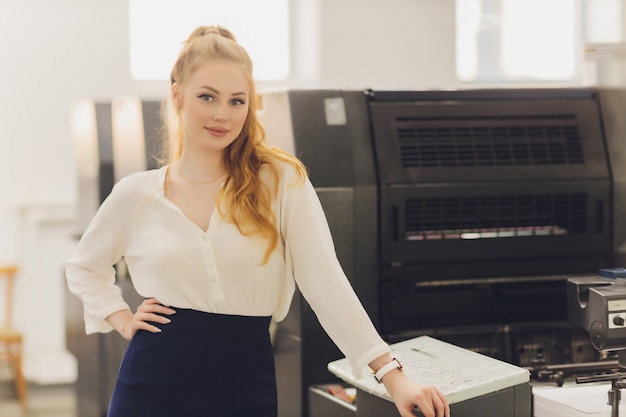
10	338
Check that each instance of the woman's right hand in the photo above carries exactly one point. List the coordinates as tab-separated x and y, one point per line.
150	311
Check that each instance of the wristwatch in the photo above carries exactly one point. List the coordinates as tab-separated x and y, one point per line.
384	370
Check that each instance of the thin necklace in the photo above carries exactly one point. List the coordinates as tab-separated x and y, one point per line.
198	182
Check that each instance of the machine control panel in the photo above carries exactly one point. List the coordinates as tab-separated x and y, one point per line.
598	305
617	313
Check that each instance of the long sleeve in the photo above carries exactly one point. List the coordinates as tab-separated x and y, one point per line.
90	272
320	278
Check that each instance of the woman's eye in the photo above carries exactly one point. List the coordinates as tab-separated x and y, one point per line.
237	102
206	97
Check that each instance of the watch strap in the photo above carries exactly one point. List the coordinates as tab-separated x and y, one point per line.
385	369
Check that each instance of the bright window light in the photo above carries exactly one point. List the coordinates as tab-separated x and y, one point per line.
603	21
539	45
158	28
512	40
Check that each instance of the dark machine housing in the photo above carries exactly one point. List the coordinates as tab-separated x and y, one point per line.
457	214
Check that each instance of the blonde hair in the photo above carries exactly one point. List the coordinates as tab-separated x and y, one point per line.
245	200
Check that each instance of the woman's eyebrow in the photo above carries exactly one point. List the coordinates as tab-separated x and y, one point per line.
216	91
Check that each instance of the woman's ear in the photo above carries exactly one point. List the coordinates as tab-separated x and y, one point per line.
176	96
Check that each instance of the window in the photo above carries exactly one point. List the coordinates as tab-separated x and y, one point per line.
158	28
531	40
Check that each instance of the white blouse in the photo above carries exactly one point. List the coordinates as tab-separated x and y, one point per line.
221	271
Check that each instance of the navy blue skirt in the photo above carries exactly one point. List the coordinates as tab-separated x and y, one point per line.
200	365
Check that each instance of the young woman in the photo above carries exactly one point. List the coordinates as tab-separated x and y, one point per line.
216	241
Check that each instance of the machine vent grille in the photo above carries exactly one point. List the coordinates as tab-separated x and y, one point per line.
495	216
489	142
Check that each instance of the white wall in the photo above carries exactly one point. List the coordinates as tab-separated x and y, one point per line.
53	51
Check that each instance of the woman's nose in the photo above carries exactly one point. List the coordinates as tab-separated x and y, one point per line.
220	114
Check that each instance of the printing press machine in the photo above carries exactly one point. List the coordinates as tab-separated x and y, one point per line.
459	215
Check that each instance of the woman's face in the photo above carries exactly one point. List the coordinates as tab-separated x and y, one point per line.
213	105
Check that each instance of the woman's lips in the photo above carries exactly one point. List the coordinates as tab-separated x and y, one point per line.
217	131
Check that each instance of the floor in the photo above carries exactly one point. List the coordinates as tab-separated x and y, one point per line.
43	401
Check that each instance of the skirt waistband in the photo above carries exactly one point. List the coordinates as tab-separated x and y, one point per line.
226	322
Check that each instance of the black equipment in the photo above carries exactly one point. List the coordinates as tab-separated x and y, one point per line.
598	305
457	214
